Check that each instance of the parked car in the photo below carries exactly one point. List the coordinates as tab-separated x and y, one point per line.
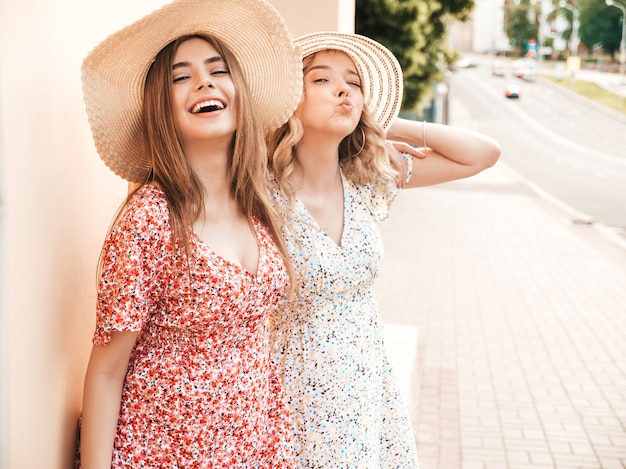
513	90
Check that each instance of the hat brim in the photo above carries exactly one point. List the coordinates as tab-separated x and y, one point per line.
114	72
381	74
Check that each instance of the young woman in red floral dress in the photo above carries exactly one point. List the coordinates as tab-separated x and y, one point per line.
180	374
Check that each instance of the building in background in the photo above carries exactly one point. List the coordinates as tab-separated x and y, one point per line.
484	33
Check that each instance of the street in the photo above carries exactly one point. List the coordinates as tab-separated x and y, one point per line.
572	151
504	318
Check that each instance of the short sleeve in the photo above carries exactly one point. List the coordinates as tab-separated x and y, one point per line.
381	194
132	262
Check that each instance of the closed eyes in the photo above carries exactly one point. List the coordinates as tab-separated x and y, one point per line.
355	84
218	72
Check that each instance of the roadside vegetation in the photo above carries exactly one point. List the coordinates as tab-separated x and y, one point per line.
415	31
592	91
600	24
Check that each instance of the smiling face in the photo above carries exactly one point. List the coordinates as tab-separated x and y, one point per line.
332	101
203	93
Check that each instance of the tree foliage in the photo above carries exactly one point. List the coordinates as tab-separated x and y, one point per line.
566	13
600	25
521	23
414	30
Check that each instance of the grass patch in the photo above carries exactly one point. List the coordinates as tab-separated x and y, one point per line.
592	91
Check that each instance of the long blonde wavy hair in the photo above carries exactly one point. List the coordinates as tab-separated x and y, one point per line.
362	154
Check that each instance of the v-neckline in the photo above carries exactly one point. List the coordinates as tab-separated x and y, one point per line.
233	263
315	223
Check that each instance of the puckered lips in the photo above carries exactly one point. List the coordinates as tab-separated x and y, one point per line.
208	105
346	105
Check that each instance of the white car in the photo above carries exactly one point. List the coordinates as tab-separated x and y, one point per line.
498	69
513	90
526	69
466	63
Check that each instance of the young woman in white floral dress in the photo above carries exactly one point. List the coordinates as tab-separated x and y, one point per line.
334	185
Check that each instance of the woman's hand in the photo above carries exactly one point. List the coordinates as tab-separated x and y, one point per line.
401	158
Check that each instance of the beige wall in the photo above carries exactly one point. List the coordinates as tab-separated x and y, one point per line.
56	201
317	15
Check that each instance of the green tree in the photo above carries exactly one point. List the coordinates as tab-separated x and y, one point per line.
600	25
414	30
521	23
557	11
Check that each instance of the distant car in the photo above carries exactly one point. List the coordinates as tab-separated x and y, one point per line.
466	63
513	90
498	70
526	69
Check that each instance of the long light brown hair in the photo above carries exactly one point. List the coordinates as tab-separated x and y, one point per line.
171	170
362	154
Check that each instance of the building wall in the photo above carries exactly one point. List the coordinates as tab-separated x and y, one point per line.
484	32
321	15
488	19
461	36
56	202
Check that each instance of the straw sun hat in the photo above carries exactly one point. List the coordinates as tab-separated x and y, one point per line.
113	73
381	74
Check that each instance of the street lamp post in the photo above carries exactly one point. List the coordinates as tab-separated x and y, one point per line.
622	45
540	35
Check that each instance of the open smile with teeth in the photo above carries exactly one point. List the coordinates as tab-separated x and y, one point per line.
208	106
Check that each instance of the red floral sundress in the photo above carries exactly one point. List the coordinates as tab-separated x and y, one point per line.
201	390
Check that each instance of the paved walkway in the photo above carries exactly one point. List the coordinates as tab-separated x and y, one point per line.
507	323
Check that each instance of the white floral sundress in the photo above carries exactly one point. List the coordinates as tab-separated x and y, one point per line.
342	395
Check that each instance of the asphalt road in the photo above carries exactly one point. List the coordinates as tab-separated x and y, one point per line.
573	151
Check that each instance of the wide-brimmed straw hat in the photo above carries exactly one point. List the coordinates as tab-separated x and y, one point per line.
381	74
113	73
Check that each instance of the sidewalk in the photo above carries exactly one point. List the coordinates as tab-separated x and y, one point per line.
512	317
